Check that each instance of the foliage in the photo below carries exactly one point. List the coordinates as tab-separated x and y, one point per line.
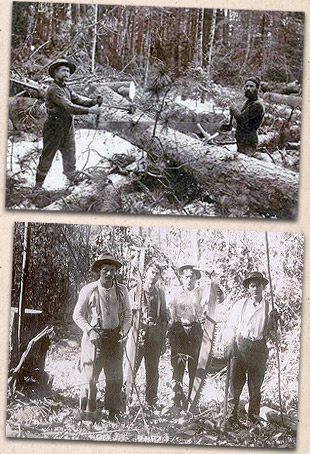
131	38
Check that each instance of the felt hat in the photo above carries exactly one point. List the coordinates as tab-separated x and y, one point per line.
255	276
254	79
107	258
190	267
61	62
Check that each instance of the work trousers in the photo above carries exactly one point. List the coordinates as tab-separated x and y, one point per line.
247	149
109	357
248	361
150	350
185	342
58	134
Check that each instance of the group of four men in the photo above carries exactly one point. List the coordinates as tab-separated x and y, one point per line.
104	314
62	103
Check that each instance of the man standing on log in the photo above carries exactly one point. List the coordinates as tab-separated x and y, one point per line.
249	324
152	330
187	308
249	118
103	313
58	130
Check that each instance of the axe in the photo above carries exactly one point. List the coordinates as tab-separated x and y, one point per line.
131	109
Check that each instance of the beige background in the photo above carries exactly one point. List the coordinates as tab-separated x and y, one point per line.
8	218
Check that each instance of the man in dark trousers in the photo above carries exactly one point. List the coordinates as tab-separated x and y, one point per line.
249	118
153	327
58	130
104	315
249	324
187	308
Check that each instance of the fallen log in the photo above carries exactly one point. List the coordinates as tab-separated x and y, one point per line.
292	101
247	186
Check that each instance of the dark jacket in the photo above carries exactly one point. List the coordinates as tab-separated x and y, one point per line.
249	120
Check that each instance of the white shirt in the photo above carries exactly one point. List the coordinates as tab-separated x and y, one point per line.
188	306
247	318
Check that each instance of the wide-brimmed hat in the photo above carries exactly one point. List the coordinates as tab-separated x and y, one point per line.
107	258
61	62
255	276
190	267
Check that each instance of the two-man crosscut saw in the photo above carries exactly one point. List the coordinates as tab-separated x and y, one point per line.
133	336
205	348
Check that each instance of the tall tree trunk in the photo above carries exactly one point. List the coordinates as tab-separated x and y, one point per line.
148	42
249	42
23	287
93	56
200	15
213	26
207	22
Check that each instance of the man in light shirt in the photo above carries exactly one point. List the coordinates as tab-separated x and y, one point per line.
187	309
104	315
249	324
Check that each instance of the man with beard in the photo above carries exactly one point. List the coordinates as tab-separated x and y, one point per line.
249	118
58	130
249	324
152	332
103	313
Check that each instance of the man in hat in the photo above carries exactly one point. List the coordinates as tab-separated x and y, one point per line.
249	118
152	330
103	313
187	307
249	324
58	130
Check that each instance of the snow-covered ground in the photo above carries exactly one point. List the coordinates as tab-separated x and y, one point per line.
93	149
198	107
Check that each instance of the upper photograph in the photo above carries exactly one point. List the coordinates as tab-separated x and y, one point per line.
155	110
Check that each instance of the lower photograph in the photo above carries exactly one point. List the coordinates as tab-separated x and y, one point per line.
154	335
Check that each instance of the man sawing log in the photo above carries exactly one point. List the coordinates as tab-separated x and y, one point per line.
268	189
58	130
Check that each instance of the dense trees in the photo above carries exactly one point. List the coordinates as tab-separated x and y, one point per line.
61	256
226	43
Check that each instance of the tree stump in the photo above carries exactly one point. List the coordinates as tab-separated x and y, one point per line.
33	367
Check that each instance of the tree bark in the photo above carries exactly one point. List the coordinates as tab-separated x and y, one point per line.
269	190
213	26
93	56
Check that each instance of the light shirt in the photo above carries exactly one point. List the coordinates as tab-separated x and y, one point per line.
247	318
86	314
188	306
109	307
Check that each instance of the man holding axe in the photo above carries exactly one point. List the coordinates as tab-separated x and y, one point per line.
248	118
58	130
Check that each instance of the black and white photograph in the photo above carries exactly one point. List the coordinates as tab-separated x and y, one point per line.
178	111
155	335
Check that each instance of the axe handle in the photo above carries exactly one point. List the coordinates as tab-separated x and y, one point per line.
202	130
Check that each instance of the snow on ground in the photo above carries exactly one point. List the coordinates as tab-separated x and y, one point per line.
93	149
198	107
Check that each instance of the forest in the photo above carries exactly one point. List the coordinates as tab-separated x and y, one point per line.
58	265
188	66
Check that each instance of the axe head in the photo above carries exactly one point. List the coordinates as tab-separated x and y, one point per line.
132	91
